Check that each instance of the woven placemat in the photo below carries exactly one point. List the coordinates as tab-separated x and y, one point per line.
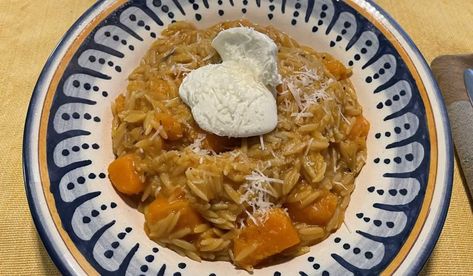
30	29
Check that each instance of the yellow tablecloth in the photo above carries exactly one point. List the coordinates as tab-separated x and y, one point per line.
29	30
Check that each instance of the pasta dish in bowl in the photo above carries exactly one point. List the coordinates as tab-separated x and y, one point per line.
219	198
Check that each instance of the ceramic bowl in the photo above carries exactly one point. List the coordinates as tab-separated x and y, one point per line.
402	194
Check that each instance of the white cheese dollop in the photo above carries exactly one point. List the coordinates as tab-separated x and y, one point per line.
232	98
254	49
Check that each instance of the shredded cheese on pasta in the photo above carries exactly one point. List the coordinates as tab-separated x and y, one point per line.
258	196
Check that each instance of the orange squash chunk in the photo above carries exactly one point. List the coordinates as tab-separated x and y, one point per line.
161	207
318	213
124	177
172	126
268	238
336	68
360	128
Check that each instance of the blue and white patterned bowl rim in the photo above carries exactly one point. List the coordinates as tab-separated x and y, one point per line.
59	252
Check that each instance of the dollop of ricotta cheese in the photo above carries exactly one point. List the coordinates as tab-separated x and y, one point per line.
233	98
256	50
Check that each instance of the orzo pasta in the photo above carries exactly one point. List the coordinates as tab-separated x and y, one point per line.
216	198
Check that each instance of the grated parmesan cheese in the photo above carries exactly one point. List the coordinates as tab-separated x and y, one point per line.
307	76
196	147
295	93
179	69
274	154
251	217
344	118
209	56
257	196
304	100
156	192
261	141
241	223
284	93
259	176
334	158
302	114
170	101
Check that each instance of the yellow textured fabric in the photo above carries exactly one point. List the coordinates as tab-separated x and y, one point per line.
29	30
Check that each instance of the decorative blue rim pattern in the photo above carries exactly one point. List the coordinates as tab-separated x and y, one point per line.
33	109
422	258
28	136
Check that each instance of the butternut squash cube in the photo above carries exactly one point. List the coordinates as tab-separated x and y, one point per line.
318	213
124	177
161	207
257	242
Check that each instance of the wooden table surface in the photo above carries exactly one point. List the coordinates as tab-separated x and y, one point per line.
29	31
